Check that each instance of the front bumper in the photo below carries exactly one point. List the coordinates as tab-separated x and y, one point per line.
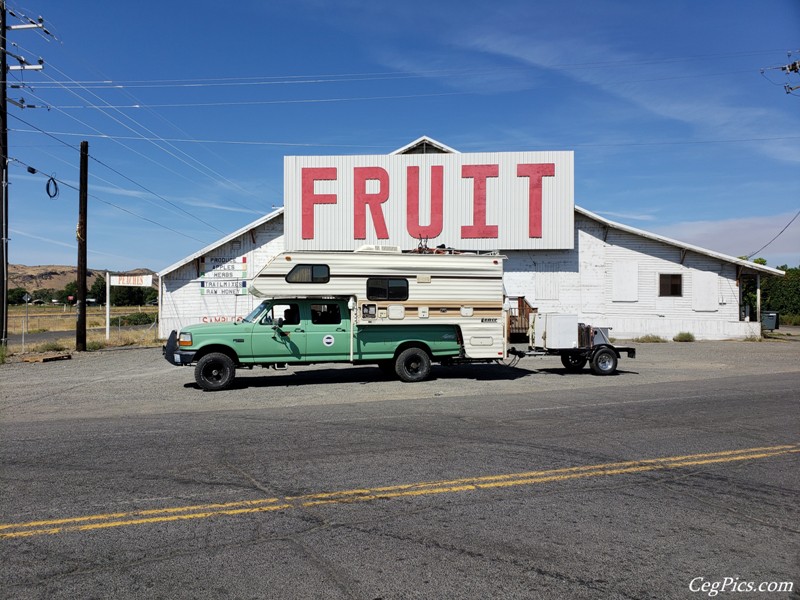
173	354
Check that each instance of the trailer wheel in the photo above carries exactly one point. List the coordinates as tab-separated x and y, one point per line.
214	372
573	362
604	362
412	365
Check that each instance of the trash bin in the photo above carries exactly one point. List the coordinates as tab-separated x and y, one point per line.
770	320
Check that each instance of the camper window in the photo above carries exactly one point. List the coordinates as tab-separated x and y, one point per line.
387	289
309	274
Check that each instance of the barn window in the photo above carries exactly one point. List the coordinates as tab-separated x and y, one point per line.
387	289
670	285
309	274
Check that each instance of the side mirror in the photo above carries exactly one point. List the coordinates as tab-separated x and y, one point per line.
279	323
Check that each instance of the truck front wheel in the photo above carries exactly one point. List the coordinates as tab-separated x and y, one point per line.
412	365
214	372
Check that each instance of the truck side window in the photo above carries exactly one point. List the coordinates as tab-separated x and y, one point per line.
291	316
380	288
325	314
309	274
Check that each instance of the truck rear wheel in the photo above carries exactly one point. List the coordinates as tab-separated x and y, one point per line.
214	372
412	365
604	362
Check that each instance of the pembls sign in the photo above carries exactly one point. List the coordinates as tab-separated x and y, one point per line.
480	201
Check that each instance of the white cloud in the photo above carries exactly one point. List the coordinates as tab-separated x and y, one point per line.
628	216
698	102
742	236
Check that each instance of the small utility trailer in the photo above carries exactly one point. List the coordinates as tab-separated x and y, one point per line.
576	343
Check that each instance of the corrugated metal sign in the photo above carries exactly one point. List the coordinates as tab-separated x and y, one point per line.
481	201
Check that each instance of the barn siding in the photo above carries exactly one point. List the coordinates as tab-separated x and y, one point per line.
182	302
589	290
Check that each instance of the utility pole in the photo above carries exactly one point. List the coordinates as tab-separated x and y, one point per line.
80	327
24	65
4	166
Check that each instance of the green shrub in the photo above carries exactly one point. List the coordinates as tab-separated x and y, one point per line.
95	346
133	319
684	336
3	354
791	320
649	339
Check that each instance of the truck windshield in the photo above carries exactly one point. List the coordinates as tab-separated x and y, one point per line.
253	316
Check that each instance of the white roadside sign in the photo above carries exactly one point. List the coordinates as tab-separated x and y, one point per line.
124	281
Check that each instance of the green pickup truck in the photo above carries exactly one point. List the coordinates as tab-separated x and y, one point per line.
302	331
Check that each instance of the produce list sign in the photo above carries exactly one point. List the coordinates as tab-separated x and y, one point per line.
223	275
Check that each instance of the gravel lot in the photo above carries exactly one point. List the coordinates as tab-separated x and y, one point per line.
138	381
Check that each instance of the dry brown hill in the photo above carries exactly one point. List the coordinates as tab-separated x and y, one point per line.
56	276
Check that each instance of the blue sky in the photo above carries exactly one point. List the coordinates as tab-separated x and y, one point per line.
678	119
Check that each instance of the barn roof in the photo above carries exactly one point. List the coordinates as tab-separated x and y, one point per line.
682	245
203	251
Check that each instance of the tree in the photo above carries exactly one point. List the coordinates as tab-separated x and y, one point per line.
127	296
45	294
782	294
98	290
15	295
71	289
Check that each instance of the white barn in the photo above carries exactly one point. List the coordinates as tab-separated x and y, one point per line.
613	275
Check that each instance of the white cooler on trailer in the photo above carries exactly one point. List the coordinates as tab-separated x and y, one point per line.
555	331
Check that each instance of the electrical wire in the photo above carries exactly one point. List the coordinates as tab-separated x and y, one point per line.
384	75
203	169
265	102
95	197
797	214
159	164
184	211
231	142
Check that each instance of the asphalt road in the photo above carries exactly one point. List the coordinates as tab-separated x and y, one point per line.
121	479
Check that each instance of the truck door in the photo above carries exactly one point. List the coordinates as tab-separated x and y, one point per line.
279	335
328	331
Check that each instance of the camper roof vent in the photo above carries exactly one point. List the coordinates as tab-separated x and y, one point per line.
376	248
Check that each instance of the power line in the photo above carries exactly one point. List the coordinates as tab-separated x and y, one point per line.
35	171
776	237
233	142
384	147
264	102
195	217
382	75
205	168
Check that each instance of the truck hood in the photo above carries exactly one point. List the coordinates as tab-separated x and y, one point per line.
202	329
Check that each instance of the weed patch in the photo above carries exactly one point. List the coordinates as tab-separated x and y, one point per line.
649	339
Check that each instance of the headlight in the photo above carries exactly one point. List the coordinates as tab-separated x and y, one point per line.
185	339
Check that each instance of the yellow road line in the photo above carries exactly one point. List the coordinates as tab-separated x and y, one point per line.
205	511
